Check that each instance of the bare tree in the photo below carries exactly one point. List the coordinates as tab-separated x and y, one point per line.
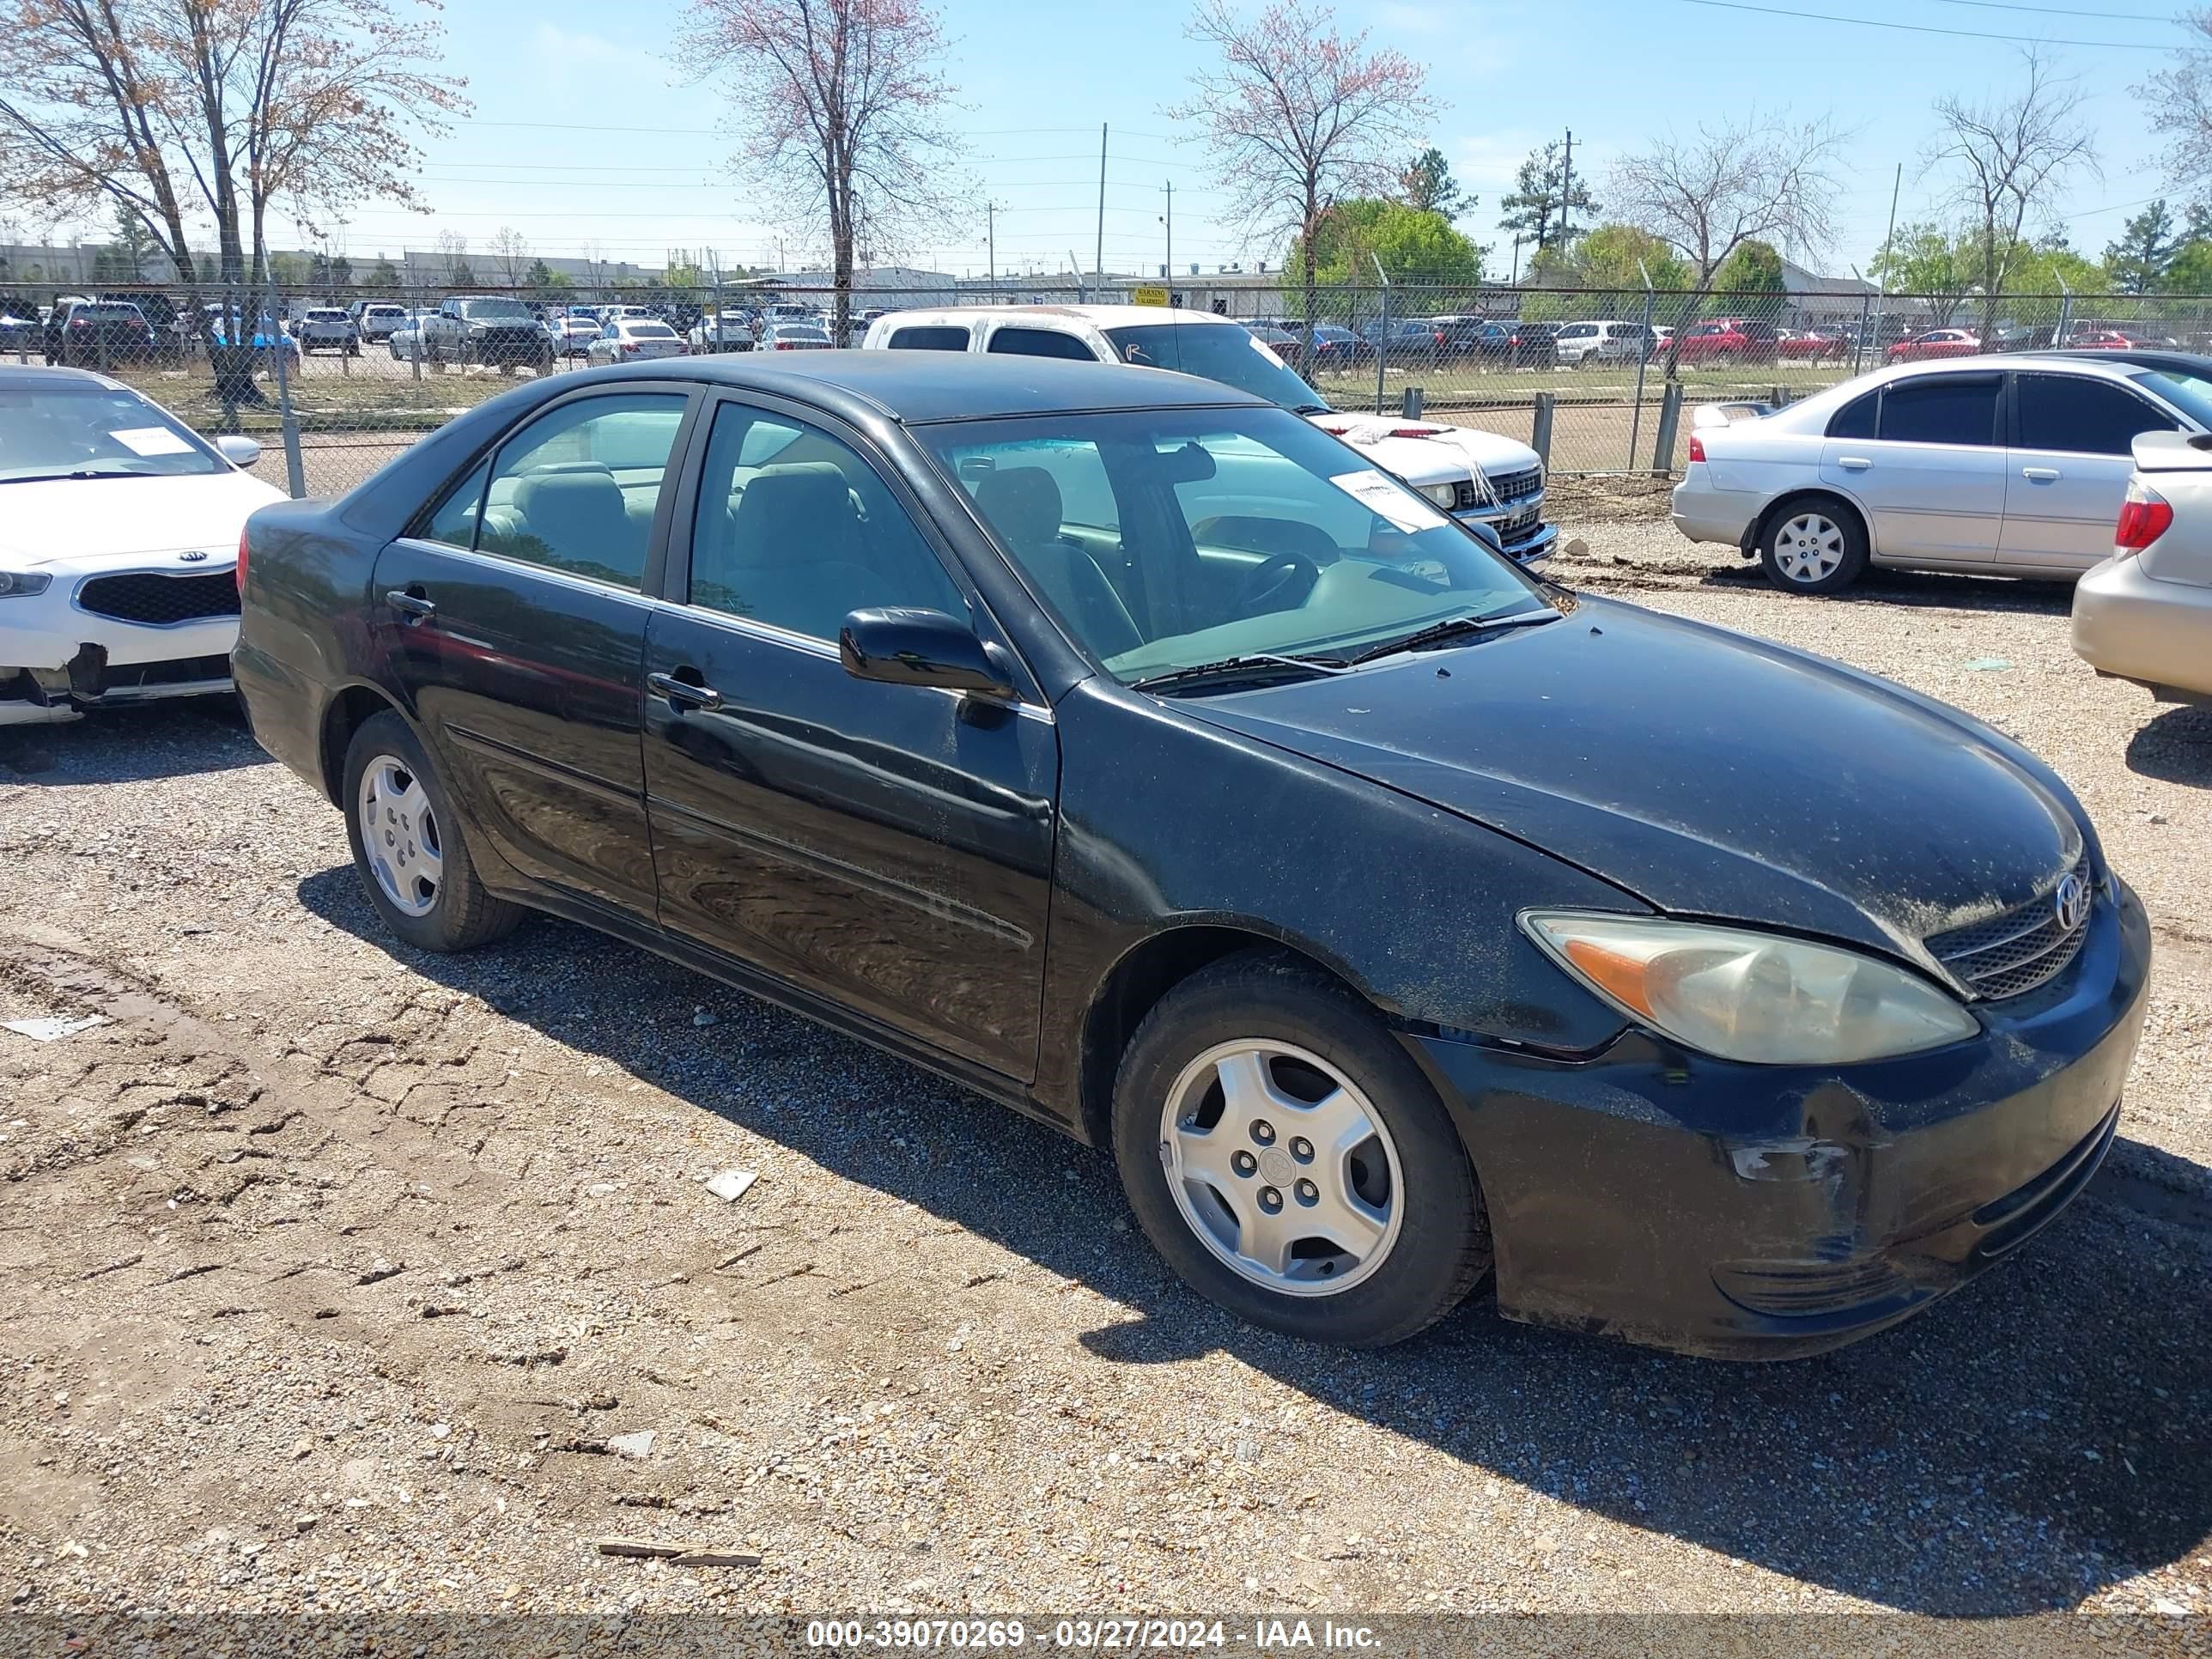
1299	117
2008	154
190	111
842	105
1763	180
2179	100
453	250
512	249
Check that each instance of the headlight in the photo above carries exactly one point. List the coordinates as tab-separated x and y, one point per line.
1754	997
1443	495
22	584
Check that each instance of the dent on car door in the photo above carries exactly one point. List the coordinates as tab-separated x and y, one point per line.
1932	475
2067	469
888	847
513	624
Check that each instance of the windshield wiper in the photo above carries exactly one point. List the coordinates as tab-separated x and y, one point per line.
1452	628
1252	665
1311	409
82	473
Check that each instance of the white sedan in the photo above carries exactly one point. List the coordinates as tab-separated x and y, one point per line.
2145	613
2009	465
118	547
635	339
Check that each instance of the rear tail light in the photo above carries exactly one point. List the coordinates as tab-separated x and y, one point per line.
2145	516
784	345
1697	447
241	561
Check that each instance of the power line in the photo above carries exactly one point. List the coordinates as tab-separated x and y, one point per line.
1924	28
2062	11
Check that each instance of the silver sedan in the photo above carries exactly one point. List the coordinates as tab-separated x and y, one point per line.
633	340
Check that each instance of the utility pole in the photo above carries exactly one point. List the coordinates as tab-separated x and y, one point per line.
1566	187
991	243
1101	255
1169	221
1515	281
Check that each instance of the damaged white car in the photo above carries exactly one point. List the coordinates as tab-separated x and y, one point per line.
1478	477
119	529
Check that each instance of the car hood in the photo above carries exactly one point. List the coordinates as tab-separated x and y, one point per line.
1441	454
1709	773
66	519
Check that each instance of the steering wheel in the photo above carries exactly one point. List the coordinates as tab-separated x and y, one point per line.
1272	575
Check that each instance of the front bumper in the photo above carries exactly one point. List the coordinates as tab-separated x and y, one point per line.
1765	1213
57	660
1520	526
2129	624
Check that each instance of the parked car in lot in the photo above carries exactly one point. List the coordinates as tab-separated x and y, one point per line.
1934	344
1812	345
119	529
572	335
908	726
632	339
726	332
1517	345
98	334
789	335
490	331
2012	465
374	320
406	340
1727	341
1407	340
1280	341
1586	345
328	328
1478	477
2145	614
20	333
1336	350
268	336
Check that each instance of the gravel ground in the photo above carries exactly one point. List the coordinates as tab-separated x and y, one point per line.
346	1278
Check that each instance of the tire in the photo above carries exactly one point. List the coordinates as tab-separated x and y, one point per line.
1406	1195
457	913
1812	544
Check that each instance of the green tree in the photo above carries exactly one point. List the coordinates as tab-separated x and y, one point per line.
289	271
1611	257
1754	268
381	274
1414	246
1428	186
460	273
1928	263
2190	270
2050	265
2137	261
1544	198
551	284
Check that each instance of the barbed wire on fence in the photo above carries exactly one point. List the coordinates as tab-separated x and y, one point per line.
344	377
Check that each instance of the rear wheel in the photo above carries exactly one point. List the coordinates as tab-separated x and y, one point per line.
1812	545
410	846
1290	1161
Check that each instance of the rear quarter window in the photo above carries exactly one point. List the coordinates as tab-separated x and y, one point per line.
1041	343
929	337
1856	419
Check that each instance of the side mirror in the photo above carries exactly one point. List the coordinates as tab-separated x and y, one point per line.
1485	534
901	646
238	452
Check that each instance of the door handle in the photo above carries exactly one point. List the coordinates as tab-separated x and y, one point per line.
682	693
1853	463
412	605
2040	474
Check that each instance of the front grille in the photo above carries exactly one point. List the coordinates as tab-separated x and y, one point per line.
1512	486
2016	952
161	601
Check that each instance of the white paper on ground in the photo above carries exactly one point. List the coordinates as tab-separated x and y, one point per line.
1409	512
50	1028
730	1186
151	440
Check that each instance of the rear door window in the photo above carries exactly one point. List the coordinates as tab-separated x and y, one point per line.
2086	416
1041	343
1856	419
932	337
1943	409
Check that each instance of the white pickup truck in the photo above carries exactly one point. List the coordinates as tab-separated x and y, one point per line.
1478	477
2145	613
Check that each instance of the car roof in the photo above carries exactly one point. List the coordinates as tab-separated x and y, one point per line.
2179	363
21	377
919	387
1098	316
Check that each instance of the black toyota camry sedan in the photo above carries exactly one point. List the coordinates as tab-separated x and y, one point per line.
1134	753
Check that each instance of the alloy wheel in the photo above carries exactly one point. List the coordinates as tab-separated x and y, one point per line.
1281	1167
399	836
1809	547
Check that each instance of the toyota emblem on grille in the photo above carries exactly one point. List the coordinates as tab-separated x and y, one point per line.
2071	902
193	558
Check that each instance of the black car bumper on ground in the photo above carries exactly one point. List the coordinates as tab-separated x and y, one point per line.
1765	1213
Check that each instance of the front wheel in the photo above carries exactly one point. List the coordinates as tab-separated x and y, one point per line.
409	846
1813	546
1291	1161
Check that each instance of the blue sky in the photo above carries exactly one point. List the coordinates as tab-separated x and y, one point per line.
549	79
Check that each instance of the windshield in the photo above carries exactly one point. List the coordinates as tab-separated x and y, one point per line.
1166	539
64	429
475	310
1216	351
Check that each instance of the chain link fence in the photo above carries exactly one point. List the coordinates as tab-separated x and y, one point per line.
335	383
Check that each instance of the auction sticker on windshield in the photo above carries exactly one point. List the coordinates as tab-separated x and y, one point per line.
151	440
1372	490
